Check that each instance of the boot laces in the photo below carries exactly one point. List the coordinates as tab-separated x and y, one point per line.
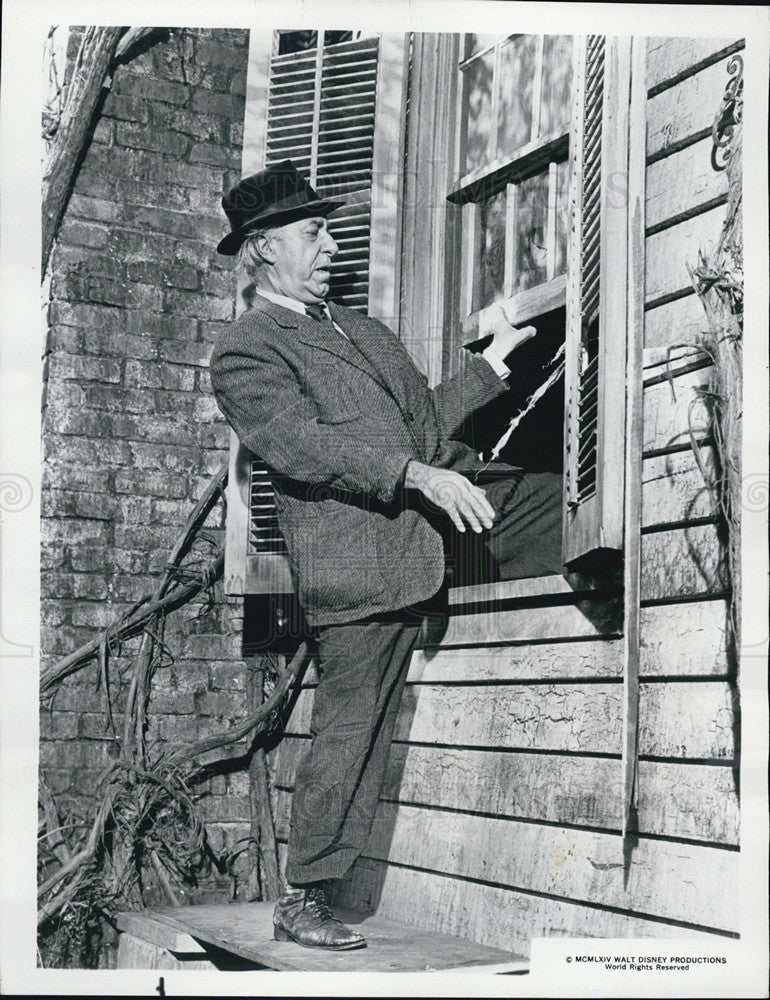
315	897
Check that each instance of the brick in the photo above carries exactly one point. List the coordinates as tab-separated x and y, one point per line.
98	209
76	366
63	338
211	332
175	276
128	244
208	128
64	639
228	675
238	83
205	410
158	195
59	725
180	224
218	155
124	345
54	613
152	89
158	375
227	105
220	283
150	538
103	132
235	134
205	307
63	504
75	477
145	137
86	234
132	109
93	184
58	584
72	531
210	647
194	353
128	561
74	260
214	436
150	483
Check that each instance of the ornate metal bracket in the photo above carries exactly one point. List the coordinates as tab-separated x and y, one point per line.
729	115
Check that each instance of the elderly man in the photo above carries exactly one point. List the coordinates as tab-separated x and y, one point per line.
364	469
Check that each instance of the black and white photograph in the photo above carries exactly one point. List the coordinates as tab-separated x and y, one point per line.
384	583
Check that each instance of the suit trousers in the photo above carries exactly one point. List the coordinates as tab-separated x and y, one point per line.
362	669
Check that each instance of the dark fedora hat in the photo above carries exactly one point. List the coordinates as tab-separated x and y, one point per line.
276	195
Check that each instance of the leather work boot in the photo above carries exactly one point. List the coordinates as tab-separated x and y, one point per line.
302	915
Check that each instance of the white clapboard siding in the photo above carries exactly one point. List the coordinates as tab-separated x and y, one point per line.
681	183
665	878
670	57
675	410
690	801
676	719
680	321
686	110
491	914
674	489
670	252
683	563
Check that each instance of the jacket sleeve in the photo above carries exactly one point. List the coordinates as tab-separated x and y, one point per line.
263	403
457	397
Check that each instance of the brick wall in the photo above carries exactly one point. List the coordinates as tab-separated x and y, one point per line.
131	432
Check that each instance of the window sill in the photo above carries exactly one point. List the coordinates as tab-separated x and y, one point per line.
525	306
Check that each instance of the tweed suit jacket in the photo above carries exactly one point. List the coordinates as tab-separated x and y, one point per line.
336	421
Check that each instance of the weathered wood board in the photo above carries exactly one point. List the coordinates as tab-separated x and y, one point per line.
682	111
681	321
676	720
681	182
496	916
683	562
542	661
135	953
678	640
589	617
246	930
667	57
674	490
696	802
669	418
667	879
669	252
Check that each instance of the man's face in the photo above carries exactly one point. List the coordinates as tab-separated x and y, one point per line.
301	255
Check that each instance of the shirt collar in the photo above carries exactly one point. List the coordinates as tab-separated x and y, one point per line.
283	300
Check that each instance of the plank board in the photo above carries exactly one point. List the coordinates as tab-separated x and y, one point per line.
683	562
496	916
593	658
693	801
676	720
681	182
135	953
693	883
684	639
246	930
669	56
674	490
669	418
588	617
682	321
682	111
668	253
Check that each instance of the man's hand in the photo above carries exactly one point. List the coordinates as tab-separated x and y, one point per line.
505	337
453	493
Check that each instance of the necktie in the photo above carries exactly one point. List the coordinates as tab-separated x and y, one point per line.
316	311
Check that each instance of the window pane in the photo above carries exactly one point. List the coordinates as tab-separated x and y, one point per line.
478	109
517	73
491	249
562	218
475	43
556	92
531	220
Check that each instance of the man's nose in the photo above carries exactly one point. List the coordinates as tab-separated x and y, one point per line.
330	246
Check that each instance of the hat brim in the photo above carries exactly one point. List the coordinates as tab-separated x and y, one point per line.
231	244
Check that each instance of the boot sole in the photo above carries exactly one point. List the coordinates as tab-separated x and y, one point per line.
281	934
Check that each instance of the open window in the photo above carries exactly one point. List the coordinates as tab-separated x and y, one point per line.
332	102
543	165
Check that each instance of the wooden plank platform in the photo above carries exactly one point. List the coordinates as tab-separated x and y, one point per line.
246	930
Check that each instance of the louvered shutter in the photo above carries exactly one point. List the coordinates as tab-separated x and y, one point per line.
329	111
596	300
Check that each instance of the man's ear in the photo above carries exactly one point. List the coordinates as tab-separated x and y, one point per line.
265	246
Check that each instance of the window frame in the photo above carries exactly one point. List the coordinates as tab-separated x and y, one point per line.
529	159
